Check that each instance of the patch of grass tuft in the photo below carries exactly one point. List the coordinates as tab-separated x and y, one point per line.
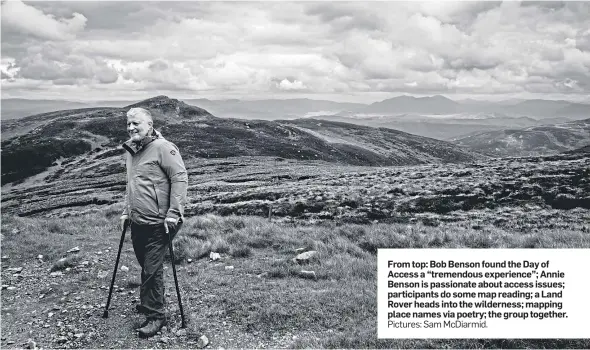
241	252
283	269
63	263
186	247
219	245
54	227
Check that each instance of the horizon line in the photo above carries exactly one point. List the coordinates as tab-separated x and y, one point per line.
131	99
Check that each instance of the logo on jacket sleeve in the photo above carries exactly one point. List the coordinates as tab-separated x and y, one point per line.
173	152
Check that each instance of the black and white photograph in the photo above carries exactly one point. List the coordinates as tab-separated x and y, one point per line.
221	175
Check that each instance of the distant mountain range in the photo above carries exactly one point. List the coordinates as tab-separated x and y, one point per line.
273	109
90	136
530	141
16	108
444	127
440	105
436	116
300	108
444	119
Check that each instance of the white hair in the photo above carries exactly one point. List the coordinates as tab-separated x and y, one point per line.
141	111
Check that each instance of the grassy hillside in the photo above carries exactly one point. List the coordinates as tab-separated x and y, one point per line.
262	301
531	141
402	148
32	144
254	296
581	150
446	128
259	193
321	191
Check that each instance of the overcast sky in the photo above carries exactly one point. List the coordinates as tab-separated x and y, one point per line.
345	51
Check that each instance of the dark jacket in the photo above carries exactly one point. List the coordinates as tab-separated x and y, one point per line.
156	181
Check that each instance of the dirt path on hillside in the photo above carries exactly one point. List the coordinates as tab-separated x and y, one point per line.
64	309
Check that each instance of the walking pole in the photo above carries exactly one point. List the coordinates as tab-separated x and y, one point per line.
106	309
176	279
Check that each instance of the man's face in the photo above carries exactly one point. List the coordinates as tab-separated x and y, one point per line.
138	126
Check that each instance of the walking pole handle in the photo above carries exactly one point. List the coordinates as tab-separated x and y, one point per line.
106	309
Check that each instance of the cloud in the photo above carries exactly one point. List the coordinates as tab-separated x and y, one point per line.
29	20
158	66
104	15
583	40
8	68
260	49
455	12
158	74
347	16
52	62
291	85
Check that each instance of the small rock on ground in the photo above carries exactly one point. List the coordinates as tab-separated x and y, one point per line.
203	341
305	257
308	274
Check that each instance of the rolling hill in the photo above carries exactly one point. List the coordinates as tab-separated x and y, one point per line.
311	186
446	127
444	119
272	109
440	105
433	116
581	150
17	108
409	104
34	144
398	147
531	141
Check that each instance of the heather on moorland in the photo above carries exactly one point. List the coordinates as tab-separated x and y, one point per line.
260	193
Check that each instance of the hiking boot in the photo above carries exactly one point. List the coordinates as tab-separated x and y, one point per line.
143	324
152	328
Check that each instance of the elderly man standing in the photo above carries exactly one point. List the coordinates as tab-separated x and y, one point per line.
155	198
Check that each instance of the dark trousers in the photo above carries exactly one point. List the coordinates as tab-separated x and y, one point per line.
150	243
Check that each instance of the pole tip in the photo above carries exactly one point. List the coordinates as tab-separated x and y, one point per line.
105	314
